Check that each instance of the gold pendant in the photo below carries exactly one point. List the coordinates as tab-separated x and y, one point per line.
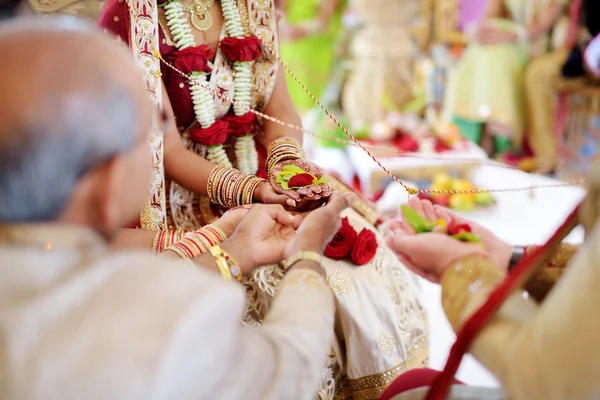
202	22
200	17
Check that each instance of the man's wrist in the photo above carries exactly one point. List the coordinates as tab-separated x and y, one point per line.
235	250
308	264
517	254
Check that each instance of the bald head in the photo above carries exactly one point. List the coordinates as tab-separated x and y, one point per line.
64	109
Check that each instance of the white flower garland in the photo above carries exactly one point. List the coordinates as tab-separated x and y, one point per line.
245	149
204	105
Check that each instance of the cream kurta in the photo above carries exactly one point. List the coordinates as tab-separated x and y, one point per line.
78	322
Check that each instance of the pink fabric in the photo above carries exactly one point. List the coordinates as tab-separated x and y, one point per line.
470	11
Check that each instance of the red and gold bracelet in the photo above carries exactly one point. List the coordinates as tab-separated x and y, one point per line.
164	239
284	149
231	188
198	242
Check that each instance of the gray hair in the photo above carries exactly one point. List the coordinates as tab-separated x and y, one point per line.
60	136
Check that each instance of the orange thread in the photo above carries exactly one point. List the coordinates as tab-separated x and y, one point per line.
410	190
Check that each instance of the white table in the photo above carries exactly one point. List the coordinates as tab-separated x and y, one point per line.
519	218
370	173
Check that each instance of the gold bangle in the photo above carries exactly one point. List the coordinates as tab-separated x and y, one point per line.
228	267
302	256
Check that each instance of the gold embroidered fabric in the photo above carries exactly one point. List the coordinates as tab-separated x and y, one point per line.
466	284
372	387
540	285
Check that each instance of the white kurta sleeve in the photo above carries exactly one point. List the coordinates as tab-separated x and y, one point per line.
213	356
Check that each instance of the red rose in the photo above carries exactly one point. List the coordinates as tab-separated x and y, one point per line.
241	49
241	125
342	242
455	229
193	59
365	247
215	134
301	180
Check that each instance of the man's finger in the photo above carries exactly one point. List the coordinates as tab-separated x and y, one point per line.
278	213
339	202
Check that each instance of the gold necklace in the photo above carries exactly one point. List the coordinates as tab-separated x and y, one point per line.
199	15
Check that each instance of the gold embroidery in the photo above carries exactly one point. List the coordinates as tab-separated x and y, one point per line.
387	343
371	387
144	40
338	282
462	281
560	256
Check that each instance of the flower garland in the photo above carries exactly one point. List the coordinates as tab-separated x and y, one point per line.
202	99
245	149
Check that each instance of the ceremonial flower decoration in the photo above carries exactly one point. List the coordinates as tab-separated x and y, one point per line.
245	149
342	243
243	49
420	224
193	60
293	177
360	247
365	247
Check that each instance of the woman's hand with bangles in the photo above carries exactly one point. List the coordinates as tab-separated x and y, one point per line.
306	198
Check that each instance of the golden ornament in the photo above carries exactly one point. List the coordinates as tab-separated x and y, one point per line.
200	17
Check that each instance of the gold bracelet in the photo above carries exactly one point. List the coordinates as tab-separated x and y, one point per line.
302	256
231	188
228	268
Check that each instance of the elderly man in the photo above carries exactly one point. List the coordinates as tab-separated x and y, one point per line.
78	321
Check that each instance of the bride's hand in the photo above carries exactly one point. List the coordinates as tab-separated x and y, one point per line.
307	198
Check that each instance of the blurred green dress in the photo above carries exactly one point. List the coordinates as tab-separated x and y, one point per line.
488	83
310	58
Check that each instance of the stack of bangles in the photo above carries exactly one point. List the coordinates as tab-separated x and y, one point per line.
283	149
198	242
164	239
231	188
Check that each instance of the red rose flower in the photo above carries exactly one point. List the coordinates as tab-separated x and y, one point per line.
455	229
193	59
301	180
241	49
241	125
215	134
365	247
342	242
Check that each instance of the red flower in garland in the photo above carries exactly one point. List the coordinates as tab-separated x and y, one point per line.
365	247
241	49
241	125
193	59
342	242
215	134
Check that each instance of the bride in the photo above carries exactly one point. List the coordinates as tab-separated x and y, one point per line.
226	46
